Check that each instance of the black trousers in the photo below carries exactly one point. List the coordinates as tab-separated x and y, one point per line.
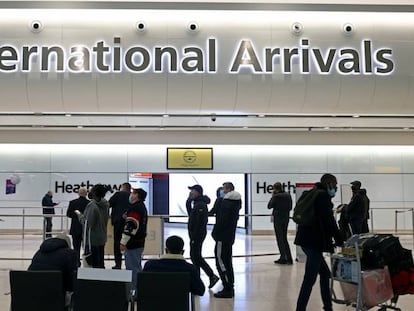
118	229
48	228
197	258
98	260
281	225
77	243
223	252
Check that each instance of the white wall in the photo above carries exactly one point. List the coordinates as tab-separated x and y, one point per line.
387	172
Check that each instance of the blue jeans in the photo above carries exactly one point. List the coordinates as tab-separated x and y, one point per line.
133	258
315	264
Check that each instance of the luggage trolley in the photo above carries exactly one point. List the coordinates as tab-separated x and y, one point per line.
346	269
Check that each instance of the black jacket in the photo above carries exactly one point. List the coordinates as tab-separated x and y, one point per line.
48	205
119	204
356	209
281	203
227	215
198	218
176	263
80	205
319	236
55	254
135	230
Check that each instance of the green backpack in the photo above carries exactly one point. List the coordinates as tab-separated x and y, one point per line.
304	211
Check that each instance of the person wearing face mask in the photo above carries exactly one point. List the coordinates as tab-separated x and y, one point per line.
315	239
197	230
135	232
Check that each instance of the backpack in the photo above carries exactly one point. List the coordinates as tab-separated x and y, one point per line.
304	211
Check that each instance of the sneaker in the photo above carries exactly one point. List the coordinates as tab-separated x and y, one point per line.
213	281
225	293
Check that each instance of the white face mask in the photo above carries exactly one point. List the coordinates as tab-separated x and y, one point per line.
331	192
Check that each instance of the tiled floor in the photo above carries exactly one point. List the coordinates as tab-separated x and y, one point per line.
260	284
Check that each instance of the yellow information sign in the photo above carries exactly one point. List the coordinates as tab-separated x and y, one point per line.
190	158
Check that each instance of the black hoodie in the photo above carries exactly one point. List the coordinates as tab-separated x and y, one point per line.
55	255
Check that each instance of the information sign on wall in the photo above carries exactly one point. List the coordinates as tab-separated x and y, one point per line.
190	158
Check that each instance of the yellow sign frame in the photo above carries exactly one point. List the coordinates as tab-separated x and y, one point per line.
190	158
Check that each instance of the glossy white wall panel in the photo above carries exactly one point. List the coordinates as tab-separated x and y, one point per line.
29	192
349	161
407	159
13	92
232	159
183	94
24	159
79	92
217	92
300	160
80	158
147	159
110	100
355	94
149	93
322	94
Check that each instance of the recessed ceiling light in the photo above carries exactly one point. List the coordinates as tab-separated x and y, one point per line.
165	115
355	116
80	127
68	115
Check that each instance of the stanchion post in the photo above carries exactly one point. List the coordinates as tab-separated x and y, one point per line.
23	223
412	217
395	222
372	219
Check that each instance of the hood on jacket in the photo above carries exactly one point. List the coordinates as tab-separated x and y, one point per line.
232	195
53	244
103	203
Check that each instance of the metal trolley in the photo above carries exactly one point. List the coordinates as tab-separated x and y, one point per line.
353	275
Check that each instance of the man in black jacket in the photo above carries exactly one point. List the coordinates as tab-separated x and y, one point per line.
281	203
55	254
173	261
75	226
119	204
197	230
135	232
315	239
224	233
48	207
357	209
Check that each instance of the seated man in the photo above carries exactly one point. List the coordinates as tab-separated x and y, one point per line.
173	261
55	254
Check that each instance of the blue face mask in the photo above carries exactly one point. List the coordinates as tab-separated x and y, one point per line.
130	199
331	192
221	193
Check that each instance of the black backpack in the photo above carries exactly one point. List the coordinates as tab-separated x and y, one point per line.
304	211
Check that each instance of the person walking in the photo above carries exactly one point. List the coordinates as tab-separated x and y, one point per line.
119	203
281	204
316	238
224	232
197	230
48	208
135	231
76	227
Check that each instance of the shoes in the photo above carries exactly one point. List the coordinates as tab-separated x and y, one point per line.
225	293
283	262
116	267
213	281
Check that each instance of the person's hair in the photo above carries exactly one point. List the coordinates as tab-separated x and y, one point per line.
277	187
82	192
228	185
99	191
174	244
328	179
126	186
142	194
218	191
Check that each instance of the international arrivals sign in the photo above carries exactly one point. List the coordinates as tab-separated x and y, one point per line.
247	57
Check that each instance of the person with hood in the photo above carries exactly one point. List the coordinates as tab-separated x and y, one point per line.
95	221
55	254
197	230
315	239
224	232
281	204
135	232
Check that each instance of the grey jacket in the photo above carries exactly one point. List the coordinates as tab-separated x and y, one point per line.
96	215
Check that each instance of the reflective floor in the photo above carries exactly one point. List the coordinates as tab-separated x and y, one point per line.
259	283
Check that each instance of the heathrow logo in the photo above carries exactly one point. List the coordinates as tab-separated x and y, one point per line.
304	58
